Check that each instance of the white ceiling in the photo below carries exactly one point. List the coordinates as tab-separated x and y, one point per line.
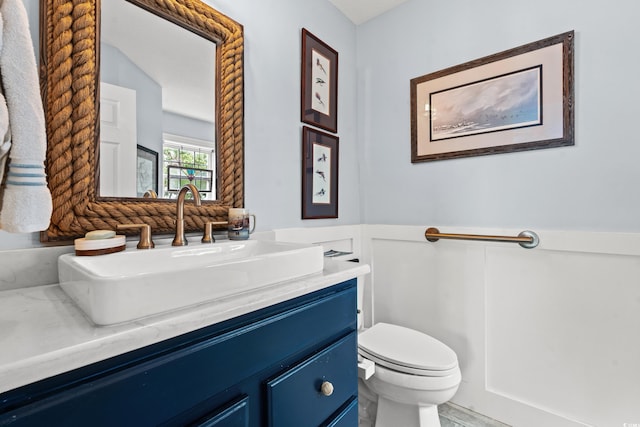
359	11
166	53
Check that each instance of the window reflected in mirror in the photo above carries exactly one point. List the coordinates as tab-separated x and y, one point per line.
185	162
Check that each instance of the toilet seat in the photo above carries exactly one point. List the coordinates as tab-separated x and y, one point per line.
406	350
405	369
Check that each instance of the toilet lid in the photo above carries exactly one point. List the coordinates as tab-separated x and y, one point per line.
406	347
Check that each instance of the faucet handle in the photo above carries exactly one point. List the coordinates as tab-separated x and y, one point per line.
208	234
150	194
145	241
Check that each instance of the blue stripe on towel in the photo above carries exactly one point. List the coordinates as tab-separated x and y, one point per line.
26	175
28	184
26	165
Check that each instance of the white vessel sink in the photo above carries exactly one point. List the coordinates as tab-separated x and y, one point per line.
128	285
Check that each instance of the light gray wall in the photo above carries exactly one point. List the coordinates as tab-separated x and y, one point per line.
32	7
590	186
117	69
272	108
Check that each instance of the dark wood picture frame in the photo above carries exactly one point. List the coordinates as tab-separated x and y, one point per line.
319	174
146	170
454	112
319	91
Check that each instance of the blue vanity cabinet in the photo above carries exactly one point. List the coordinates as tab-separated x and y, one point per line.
266	368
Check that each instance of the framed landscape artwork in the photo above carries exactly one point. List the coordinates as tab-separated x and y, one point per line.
516	100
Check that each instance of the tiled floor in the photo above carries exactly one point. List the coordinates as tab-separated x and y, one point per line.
452	415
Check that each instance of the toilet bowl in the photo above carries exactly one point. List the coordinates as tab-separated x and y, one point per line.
413	373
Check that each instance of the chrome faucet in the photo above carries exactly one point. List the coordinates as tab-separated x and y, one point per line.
179	239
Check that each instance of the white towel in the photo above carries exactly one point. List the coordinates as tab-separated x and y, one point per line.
26	204
5	135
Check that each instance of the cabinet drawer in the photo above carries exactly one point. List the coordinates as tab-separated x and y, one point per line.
295	397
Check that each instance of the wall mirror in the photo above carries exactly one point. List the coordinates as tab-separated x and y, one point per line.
78	164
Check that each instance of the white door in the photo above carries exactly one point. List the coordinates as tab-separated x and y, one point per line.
117	141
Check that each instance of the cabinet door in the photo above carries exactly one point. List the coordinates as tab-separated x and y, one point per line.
235	415
297	397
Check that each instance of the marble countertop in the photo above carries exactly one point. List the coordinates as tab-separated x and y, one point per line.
43	333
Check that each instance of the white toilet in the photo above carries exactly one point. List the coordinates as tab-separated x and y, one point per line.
406	374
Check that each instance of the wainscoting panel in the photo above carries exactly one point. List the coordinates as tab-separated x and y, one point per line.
560	328
545	336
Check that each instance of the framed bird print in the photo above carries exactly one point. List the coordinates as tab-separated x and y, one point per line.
319	94
319	174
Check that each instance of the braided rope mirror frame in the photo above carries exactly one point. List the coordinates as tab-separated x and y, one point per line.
69	75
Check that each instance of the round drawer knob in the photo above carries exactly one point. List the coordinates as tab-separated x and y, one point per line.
326	388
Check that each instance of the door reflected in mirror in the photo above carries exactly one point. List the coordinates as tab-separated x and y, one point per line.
157	91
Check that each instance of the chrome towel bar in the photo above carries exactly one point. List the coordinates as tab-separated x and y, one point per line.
526	239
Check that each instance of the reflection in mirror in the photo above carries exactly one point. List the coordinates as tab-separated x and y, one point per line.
157	93
69	73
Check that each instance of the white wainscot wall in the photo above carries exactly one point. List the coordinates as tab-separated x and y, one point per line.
545	336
